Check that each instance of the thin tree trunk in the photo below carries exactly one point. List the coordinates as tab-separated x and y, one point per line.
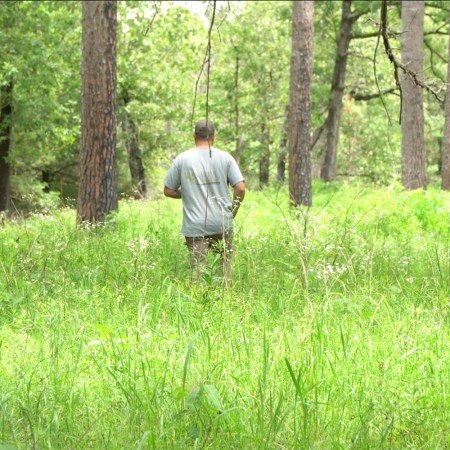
414	174
238	136
445	168
300	103
283	150
264	162
5	144
97	195
328	170
137	170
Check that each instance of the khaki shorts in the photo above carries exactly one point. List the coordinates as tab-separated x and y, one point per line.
218	243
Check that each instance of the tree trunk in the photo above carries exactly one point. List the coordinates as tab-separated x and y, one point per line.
282	151
445	168
5	143
328	170
237	135
97	195
132	145
413	146
300	103
264	162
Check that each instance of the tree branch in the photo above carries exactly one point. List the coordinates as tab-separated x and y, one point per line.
359	96
397	64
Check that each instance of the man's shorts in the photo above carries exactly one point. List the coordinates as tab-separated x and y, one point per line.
218	243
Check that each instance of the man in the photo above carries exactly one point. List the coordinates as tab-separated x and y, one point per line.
200	177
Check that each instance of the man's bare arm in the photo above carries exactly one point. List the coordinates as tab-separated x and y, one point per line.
172	193
238	196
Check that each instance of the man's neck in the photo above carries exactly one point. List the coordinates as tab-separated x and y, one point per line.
204	143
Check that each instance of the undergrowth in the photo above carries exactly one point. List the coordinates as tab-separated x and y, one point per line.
334	333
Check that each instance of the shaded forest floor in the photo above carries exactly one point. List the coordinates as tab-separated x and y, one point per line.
334	333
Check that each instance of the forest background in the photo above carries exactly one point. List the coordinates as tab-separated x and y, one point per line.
161	60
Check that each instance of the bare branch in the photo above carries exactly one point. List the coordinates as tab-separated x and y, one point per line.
366	97
397	64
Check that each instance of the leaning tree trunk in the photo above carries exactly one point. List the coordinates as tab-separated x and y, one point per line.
5	143
331	128
97	195
300	103
445	169
137	170
413	146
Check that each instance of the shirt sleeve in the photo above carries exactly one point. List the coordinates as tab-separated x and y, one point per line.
173	176
234	174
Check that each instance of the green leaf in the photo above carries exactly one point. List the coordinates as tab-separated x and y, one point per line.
213	396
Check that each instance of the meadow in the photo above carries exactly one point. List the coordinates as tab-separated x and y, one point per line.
333	335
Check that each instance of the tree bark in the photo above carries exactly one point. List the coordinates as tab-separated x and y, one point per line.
137	170
328	170
414	174
97	195
239	137
282	150
445	168
300	103
264	162
6	110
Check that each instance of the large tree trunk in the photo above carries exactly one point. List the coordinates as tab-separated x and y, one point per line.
413	146
97	195
300	103
445	168
5	144
328	170
135	163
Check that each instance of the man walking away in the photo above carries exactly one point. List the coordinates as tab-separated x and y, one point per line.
200	177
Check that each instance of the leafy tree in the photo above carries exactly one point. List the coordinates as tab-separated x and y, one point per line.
331	127
39	54
158	57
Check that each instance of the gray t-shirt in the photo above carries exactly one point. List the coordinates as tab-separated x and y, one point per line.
204	180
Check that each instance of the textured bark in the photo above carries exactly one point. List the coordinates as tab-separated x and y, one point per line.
137	170
5	144
282	150
97	195
412	117
300	103
264	161
445	168
331	129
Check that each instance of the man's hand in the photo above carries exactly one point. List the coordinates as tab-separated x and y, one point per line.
238	196
172	193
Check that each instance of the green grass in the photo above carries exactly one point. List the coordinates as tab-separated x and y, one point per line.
334	334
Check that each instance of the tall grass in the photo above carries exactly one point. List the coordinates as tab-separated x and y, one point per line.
334	333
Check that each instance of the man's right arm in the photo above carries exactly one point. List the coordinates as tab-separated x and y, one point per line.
238	196
172	193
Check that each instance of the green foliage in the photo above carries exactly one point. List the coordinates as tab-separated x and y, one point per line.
161	51
333	335
40	52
